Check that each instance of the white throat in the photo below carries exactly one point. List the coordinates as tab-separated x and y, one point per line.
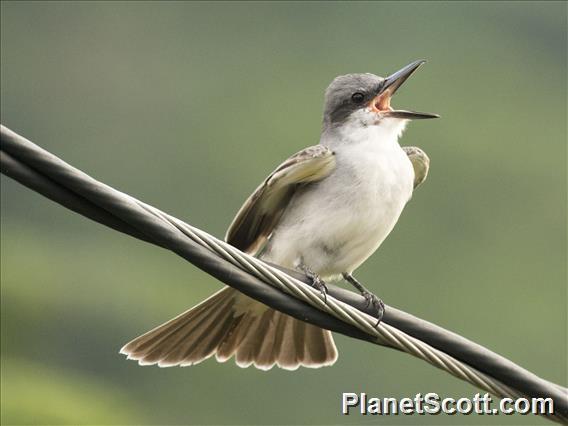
365	127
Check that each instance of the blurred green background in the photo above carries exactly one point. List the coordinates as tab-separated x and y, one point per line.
188	106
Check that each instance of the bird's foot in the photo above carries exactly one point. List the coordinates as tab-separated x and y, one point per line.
372	300
377	304
316	281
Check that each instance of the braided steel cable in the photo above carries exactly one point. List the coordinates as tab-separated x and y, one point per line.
343	312
383	334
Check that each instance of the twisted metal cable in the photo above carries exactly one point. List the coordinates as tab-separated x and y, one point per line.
47	174
383	334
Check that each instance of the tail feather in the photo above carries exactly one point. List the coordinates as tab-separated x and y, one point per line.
165	344
299	340
220	326
246	352
267	349
207	326
321	346
162	342
169	349
207	346
286	351
234	337
165	332
185	350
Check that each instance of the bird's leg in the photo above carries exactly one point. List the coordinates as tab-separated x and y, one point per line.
316	280
371	299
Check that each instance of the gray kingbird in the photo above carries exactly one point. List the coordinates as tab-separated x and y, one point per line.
323	211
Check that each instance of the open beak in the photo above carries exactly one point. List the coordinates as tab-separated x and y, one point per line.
381	103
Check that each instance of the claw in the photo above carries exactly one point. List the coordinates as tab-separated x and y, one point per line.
376	303
317	282
370	298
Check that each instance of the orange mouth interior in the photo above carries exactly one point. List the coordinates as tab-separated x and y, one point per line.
381	103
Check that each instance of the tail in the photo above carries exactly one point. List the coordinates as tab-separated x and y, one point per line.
230	323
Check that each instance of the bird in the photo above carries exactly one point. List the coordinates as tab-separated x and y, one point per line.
323	211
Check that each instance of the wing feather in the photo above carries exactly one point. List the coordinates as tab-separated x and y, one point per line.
420	163
260	213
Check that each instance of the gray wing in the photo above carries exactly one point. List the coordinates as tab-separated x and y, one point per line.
420	163
260	213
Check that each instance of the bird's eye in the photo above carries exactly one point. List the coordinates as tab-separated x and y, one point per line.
358	97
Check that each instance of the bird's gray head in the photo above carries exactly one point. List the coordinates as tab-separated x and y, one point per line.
349	93
367	97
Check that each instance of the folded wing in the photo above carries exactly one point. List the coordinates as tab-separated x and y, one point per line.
260	213
420	163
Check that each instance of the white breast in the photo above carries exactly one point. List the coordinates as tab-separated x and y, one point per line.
335	225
